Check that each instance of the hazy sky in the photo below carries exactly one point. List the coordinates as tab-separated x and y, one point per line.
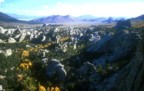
104	8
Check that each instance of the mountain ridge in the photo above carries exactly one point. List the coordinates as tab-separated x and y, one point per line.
71	19
57	19
4	17
139	18
7	20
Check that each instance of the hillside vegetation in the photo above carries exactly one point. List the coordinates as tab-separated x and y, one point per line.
68	58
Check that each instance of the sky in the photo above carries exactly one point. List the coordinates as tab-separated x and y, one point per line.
99	8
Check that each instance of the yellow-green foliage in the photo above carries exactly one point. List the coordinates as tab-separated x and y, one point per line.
28	84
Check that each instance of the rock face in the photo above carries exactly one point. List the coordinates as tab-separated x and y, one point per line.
55	68
113	48
130	78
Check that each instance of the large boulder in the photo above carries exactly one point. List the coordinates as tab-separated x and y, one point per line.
38	39
17	31
8	52
95	37
1	41
11	40
1	78
17	36
44	38
55	68
22	37
2	30
1	51
86	69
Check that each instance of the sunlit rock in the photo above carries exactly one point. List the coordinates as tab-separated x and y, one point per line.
8	52
95	37
56	30
58	38
1	41
17	36
75	46
2	30
2	77
43	38
11	40
1	87
22	37
1	51
64	47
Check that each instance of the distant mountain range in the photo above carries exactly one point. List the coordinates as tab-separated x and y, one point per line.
70	19
23	17
7	18
86	17
57	19
66	19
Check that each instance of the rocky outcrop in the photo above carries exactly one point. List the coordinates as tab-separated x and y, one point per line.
113	48
130	78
